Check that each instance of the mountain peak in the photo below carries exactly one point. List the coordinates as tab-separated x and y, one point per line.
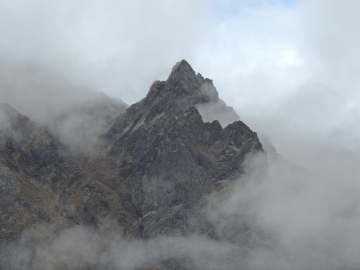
183	73
150	175
185	89
181	66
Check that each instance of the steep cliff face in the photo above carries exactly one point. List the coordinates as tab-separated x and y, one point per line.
173	158
149	175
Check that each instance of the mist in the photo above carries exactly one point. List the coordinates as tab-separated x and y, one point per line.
312	218
290	71
278	217
284	66
77	114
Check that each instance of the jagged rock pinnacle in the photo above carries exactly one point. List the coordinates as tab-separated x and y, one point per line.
182	66
163	141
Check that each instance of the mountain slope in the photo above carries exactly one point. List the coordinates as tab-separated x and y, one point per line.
174	157
150	174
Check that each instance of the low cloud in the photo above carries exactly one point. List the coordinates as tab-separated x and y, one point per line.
77	114
277	217
291	73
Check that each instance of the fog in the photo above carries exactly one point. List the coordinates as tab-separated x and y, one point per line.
75	113
293	219
284	66
288	68
313	218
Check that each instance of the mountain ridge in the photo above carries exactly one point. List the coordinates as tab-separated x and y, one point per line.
149	173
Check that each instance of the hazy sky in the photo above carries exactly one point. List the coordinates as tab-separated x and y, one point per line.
285	66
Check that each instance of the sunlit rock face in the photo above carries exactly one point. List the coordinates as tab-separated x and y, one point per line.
150	175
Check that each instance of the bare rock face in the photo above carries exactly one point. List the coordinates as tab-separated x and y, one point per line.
173	156
149	175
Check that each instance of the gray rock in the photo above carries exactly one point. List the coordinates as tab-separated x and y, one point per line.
148	176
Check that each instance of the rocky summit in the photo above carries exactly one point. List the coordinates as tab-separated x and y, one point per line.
151	176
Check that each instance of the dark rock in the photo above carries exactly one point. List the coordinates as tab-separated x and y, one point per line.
174	156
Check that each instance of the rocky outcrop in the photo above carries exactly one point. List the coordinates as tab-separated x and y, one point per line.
173	157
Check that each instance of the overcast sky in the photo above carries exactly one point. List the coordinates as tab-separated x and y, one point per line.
287	67
290	68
